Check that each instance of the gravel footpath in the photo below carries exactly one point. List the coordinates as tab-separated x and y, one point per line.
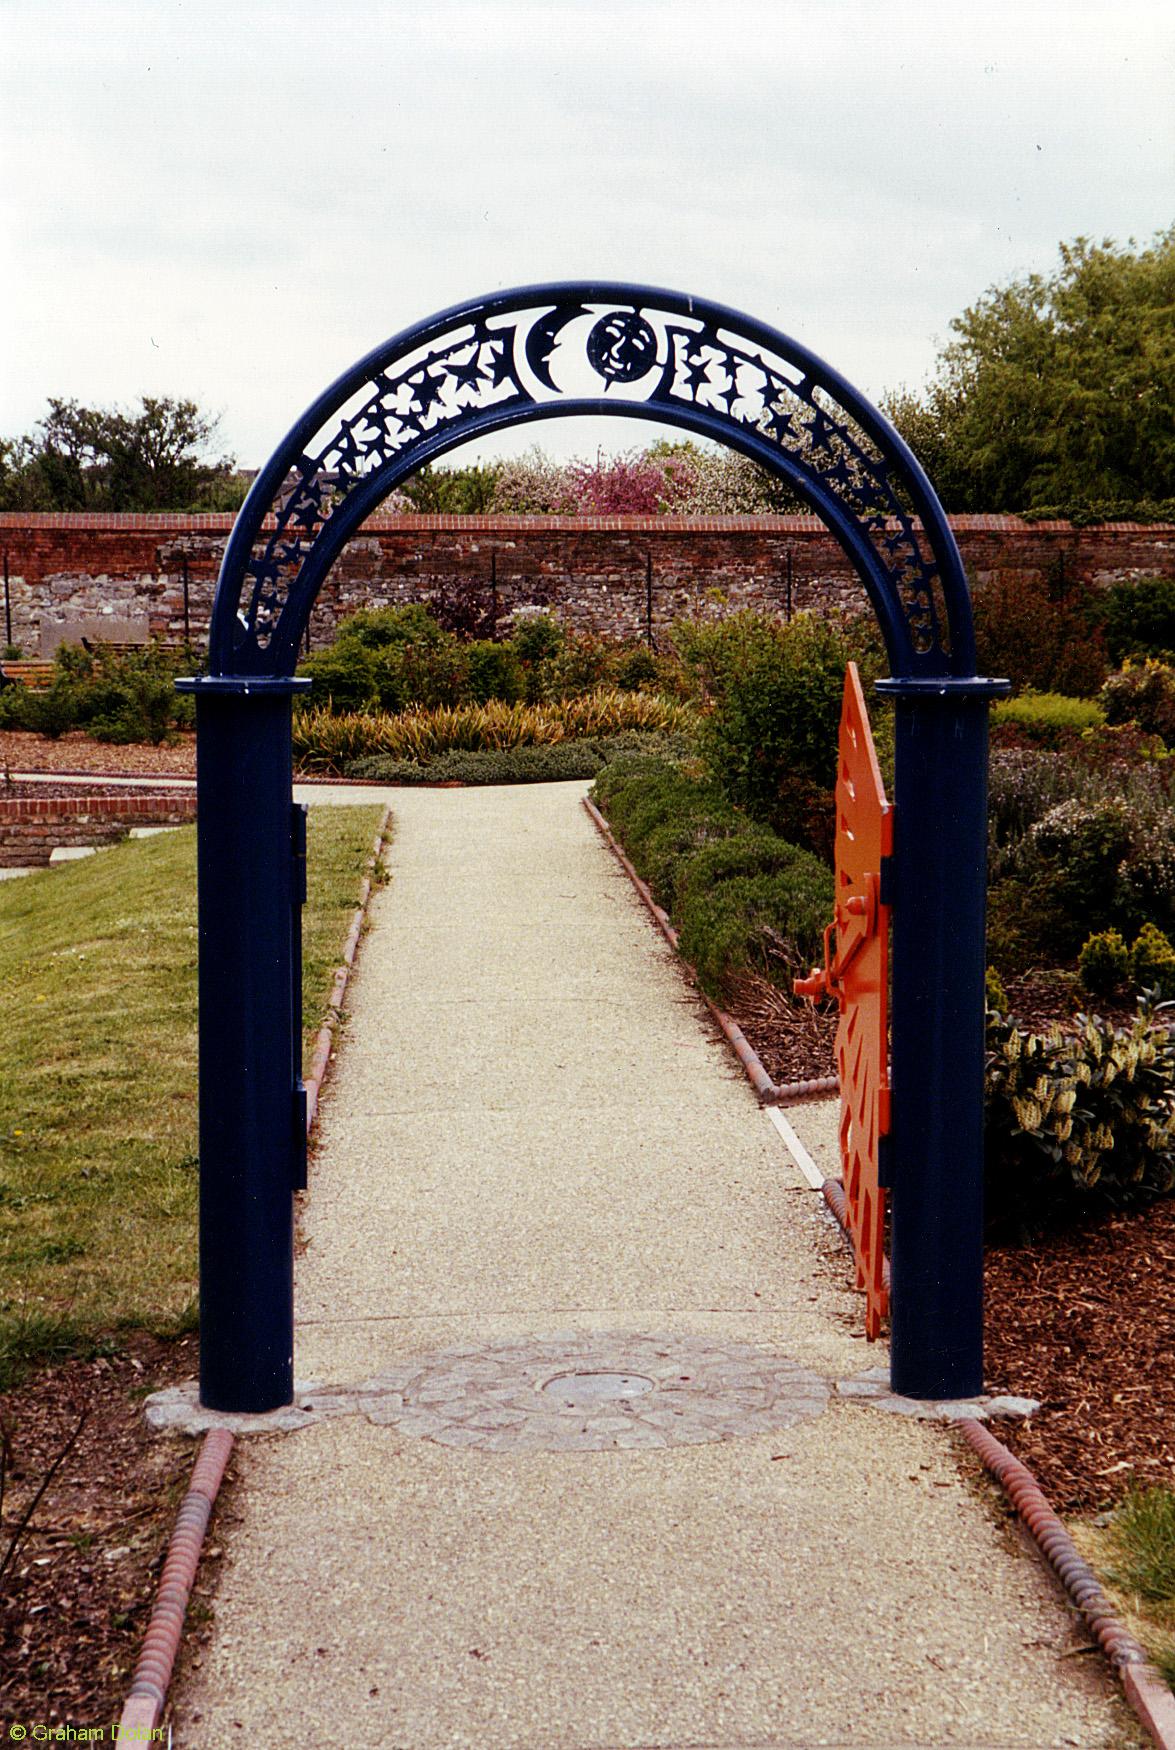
538	1163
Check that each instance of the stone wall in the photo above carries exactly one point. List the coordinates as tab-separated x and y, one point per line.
132	577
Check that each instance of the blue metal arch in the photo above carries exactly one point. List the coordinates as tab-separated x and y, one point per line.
541	352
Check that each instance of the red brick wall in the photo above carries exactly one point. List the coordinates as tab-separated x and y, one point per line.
33	825
593	570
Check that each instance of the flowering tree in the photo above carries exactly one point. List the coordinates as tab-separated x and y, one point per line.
534	485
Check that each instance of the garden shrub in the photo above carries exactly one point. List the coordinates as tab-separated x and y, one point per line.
515	765
1047	717
1066	880
752	901
50	711
114	695
578	666
774	694
636	669
995	996
343	675
1029	633
662	815
419	676
1077	1121
377	628
1104	963
1143	693
1138	618
1152	962
536	637
494	672
1022	786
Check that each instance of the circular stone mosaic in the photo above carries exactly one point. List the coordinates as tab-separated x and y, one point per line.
586	1394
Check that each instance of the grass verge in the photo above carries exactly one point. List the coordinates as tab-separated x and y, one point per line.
1134	1554
98	1139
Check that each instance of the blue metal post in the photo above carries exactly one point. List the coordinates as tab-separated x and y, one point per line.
249	1110
939	905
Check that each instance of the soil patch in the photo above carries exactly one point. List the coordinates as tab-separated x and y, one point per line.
1045	998
1084	1320
75	752
76	1597
794	1039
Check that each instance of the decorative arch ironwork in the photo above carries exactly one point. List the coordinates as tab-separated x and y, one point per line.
540	352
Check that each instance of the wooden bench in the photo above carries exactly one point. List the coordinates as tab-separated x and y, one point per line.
29	671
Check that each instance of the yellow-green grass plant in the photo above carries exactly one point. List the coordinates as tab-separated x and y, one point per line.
1134	1553
324	742
98	1129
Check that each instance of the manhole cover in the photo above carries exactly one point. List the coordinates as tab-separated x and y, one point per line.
593	1392
594	1388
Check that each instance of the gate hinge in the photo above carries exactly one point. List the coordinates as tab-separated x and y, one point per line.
885	881
298	850
298	1137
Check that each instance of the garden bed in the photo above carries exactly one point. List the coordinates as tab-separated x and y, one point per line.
1082	1319
77	753
76	1598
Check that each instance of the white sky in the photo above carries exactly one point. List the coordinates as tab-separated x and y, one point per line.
232	201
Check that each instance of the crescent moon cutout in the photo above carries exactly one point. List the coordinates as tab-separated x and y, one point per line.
542	339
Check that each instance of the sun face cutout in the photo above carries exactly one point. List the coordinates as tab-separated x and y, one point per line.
622	347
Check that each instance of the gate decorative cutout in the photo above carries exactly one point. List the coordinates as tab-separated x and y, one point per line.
856	973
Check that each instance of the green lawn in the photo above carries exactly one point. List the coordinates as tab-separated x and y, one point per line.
98	1080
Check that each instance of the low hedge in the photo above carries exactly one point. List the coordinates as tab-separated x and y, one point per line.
741	896
515	765
1047	718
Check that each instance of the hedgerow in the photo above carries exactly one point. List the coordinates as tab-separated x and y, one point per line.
740	895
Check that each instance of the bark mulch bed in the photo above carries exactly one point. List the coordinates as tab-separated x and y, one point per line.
1082	1319
76	1596
794	1039
75	752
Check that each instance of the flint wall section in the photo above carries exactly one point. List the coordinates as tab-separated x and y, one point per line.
128	577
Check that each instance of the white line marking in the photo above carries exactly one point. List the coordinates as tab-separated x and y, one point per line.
795	1148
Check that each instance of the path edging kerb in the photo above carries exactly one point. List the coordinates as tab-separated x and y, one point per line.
147	1696
1146	1692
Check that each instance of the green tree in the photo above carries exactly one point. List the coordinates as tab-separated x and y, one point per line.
1057	392
87	458
452	491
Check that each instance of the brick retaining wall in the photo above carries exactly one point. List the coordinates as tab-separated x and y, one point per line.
31	826
126	574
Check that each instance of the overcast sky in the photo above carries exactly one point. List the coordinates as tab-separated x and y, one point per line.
232	201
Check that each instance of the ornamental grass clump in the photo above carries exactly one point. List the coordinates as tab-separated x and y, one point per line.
328	742
1077	1121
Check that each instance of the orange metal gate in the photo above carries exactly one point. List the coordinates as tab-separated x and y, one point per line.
856	973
